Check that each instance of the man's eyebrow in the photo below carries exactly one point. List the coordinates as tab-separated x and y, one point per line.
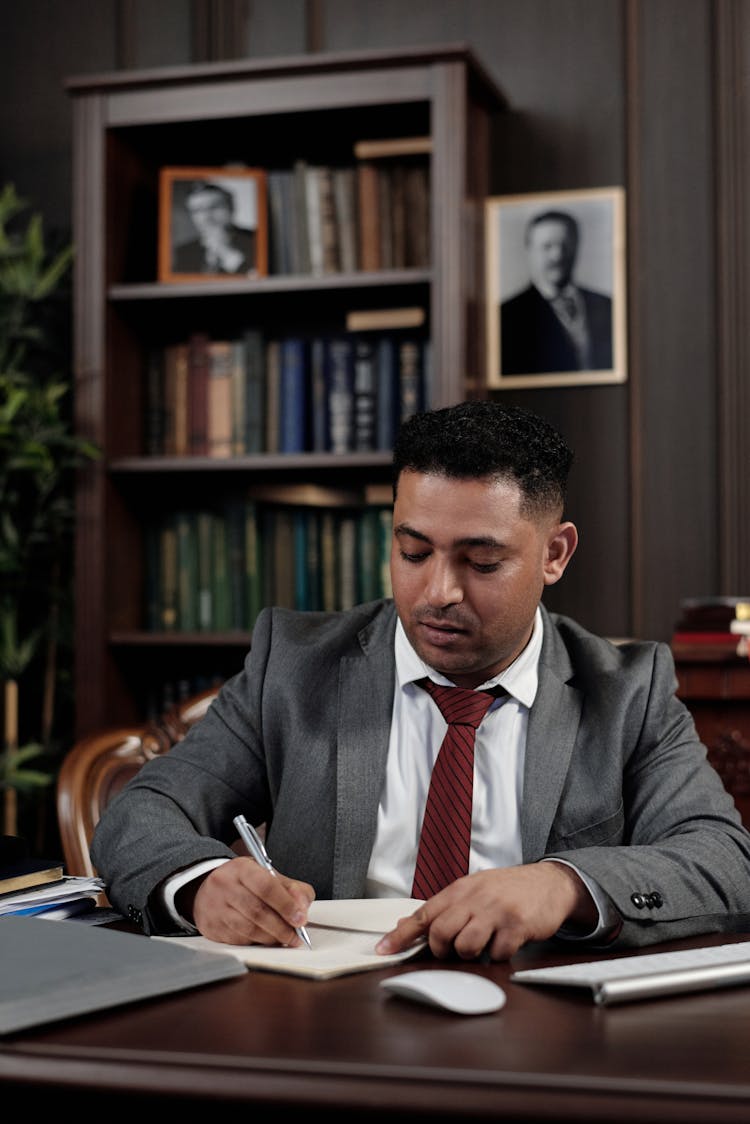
470	540
405	529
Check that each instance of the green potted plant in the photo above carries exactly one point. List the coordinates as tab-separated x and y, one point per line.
38	454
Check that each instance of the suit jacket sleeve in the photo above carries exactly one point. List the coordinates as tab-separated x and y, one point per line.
661	835
276	746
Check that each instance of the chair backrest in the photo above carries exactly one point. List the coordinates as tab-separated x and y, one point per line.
98	766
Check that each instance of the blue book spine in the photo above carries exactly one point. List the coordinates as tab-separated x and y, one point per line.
293	404
388	400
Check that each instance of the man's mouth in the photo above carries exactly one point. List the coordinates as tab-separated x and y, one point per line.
439	632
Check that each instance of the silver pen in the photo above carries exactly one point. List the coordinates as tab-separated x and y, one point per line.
254	844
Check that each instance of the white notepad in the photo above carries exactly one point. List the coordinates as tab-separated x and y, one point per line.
653	974
343	935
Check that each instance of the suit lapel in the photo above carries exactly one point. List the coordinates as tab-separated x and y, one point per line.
553	727
365	704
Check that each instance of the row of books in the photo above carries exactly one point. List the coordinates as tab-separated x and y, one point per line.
213	570
231	397
369	216
712	628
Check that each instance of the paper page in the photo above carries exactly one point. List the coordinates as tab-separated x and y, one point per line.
343	935
370	915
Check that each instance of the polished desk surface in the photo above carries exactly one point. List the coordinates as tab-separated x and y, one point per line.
346	1047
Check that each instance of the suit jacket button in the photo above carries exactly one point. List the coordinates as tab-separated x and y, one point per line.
638	900
657	899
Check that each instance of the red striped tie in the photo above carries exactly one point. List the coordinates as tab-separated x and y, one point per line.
446	828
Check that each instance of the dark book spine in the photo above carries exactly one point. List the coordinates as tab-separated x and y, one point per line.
341	395
365	394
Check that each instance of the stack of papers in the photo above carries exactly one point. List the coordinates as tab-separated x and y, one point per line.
57	900
343	934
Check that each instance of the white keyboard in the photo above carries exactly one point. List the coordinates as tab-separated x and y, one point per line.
657	973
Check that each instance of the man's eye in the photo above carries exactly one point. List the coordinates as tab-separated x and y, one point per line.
486	567
419	557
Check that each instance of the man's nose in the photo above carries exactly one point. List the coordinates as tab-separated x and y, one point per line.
443	585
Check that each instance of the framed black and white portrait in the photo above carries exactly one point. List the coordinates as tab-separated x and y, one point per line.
212	223
556	305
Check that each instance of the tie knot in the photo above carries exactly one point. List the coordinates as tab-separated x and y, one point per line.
458	705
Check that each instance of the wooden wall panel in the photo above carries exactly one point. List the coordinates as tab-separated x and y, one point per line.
673	455
649	93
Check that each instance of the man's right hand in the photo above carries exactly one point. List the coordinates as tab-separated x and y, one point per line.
241	903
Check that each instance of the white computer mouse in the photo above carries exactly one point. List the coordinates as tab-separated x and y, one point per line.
461	992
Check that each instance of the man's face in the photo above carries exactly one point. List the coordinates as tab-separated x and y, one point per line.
468	571
551	249
209	211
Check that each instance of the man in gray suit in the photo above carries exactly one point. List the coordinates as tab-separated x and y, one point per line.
596	816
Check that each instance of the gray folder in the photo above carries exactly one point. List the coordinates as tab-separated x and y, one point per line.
52	970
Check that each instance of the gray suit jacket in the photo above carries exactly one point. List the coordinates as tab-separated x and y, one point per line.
615	781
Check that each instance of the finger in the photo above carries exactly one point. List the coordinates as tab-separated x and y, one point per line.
241	902
407	931
276	905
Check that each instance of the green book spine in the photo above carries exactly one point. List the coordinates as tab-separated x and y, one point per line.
168	575
301	571
234	515
187	572
368	570
314	582
253	572
328	560
221	589
386	533
205	590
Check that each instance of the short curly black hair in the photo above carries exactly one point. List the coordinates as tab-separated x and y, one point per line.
483	440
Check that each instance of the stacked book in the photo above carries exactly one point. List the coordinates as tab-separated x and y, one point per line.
712	628
39	887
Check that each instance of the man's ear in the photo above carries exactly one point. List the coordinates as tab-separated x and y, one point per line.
560	548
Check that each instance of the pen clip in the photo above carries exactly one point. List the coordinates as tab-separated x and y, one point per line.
253	842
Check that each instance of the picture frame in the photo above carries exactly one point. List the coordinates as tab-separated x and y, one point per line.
213	223
574	239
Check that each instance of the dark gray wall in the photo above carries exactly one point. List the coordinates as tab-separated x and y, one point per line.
602	92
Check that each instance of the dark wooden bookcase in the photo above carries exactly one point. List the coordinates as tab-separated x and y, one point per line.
265	113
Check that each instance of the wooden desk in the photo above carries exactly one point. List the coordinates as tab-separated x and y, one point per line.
342	1046
718	697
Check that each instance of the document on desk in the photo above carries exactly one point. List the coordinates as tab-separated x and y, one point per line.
649	975
53	970
343	935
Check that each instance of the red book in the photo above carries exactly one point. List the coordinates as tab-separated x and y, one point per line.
199	363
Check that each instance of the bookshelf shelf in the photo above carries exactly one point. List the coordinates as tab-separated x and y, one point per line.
332	463
289	283
292	483
138	639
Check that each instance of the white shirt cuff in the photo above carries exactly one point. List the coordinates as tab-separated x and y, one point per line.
177	881
609	915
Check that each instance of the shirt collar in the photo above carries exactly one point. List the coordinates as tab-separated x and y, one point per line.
520	680
551	294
